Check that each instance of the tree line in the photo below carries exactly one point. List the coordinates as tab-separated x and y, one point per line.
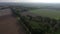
42	25
49	26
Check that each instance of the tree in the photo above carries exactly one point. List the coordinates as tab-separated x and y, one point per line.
13	11
29	17
54	22
22	18
40	18
47	19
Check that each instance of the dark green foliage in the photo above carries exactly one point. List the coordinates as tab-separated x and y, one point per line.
36	27
37	31
13	11
38	24
29	17
54	22
22	18
46	19
39	18
24	10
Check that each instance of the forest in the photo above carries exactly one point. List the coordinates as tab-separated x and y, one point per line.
38	24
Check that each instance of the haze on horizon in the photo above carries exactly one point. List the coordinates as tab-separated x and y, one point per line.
32	1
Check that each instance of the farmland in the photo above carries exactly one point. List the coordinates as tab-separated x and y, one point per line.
39	20
30	19
47	13
9	23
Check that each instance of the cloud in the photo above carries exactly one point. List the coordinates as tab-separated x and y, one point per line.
43	1
8	0
35	1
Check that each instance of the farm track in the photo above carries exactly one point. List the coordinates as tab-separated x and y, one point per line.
9	25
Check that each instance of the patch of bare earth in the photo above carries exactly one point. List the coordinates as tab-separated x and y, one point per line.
9	24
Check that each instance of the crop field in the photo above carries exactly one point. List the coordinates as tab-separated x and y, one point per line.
47	13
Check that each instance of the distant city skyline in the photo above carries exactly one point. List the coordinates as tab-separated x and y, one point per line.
33	1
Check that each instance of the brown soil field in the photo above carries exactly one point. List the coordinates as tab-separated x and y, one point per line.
10	25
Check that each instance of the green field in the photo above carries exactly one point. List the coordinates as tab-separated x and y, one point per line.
47	13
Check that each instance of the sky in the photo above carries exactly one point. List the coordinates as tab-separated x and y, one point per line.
34	1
